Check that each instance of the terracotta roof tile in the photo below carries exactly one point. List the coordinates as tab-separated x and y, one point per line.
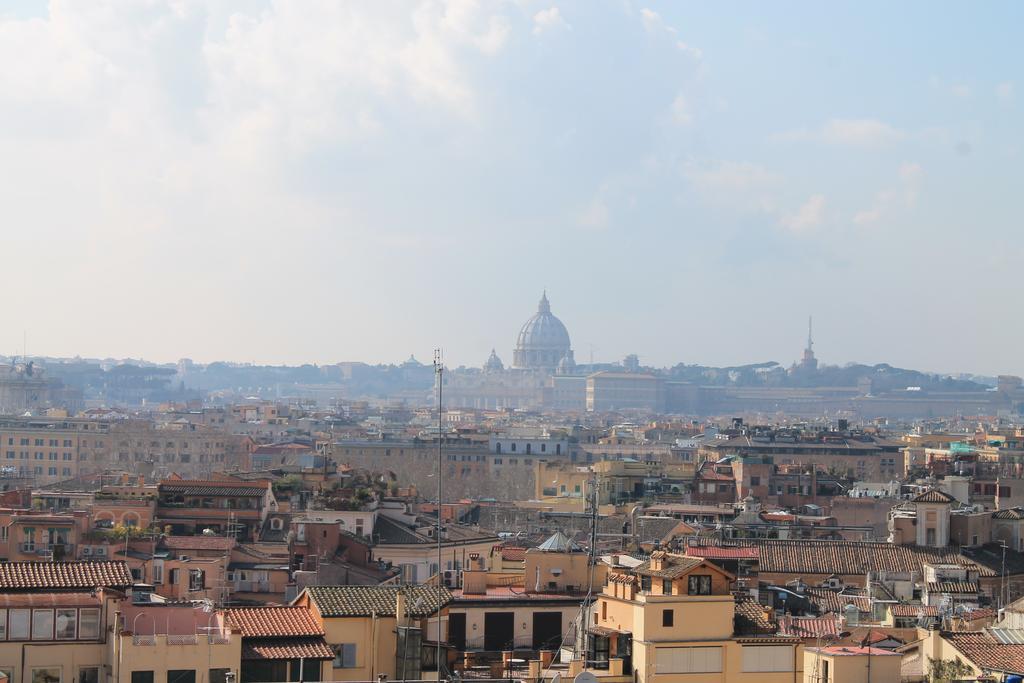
902	610
952	587
986	652
674	566
364	601
263	622
809	627
287	648
750	618
933	496
63	575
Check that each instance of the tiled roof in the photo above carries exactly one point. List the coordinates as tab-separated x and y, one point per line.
826	600
43	575
1010	513
269	622
952	587
365	601
198	543
933	496
750	618
902	610
513	554
712	552
673	566
986	652
851	557
214	488
287	648
809	627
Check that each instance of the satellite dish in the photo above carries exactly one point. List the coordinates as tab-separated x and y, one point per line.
585	677
557	678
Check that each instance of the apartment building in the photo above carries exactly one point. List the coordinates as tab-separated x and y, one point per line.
51	449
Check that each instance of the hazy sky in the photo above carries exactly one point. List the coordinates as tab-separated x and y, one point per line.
322	181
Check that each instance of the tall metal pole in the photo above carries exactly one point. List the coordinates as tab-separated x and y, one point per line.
438	374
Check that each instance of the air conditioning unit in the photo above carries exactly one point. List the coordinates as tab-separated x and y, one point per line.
452	578
86	550
102	550
183	558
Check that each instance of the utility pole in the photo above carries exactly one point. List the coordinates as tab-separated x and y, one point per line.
439	375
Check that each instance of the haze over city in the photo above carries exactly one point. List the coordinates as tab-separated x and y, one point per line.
308	182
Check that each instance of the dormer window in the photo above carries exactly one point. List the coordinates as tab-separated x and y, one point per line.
699	584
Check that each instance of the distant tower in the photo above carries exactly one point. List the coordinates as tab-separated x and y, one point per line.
809	362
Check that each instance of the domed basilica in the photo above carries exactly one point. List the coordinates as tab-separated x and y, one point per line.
543	343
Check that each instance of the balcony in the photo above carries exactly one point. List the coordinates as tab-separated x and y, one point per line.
46	549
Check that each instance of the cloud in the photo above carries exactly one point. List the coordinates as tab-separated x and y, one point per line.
845	132
656	26
808	217
960	90
735	185
681	111
595	216
903	194
549	19
1004	91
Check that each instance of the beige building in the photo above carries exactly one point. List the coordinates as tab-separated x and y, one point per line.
850	664
378	630
673	619
53	449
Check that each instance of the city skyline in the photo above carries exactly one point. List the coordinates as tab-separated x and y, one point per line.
232	181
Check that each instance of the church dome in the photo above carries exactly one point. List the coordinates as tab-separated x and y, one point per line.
543	340
493	363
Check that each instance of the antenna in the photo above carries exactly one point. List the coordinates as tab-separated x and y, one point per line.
439	375
810	336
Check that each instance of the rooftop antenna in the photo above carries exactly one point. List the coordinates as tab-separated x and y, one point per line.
810	337
439	375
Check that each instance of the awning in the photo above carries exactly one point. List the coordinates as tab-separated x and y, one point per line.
608	632
286	648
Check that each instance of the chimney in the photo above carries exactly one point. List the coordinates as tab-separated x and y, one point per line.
400	607
658	560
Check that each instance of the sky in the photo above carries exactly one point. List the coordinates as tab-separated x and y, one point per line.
291	182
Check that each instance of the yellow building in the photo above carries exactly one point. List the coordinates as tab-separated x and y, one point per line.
378	630
851	664
672	619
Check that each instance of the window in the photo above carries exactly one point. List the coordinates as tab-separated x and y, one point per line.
218	675
89	674
3	626
67	624
765	658
142	677
42	624
667	617
645	583
666	586
19	624
755	481
181	676
174	576
196	581
89	624
344	656
688	660
50	674
699	584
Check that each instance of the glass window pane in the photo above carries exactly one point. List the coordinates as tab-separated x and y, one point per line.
89	624
67	624
19	624
42	624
